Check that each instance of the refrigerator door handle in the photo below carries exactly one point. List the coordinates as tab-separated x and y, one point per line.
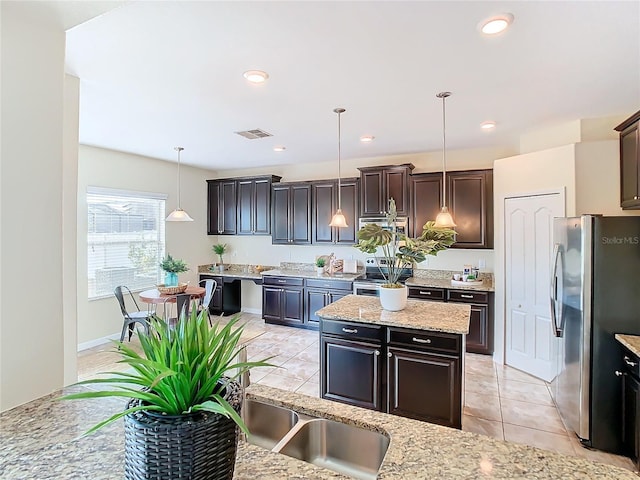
554	290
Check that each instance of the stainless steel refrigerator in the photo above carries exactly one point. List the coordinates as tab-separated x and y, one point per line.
595	293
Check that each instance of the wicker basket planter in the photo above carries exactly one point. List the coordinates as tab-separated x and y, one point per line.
197	446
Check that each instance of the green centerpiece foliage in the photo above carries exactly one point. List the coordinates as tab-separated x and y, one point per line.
181	370
171	265
320	262
399	250
220	249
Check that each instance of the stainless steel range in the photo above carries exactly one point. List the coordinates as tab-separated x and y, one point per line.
374	268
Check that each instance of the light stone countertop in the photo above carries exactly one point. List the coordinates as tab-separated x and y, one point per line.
38	441
632	342
418	314
421	450
349	277
243	272
487	285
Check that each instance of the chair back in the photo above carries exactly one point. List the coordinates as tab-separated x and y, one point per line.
182	306
210	286
118	292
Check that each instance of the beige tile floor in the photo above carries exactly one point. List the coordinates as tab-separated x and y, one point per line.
500	401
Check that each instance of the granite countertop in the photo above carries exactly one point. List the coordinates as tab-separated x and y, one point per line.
487	284
349	277
418	314
38	440
421	450
245	272
632	342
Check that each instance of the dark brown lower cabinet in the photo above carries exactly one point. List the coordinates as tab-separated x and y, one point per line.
227	297
423	370
631	406
283	301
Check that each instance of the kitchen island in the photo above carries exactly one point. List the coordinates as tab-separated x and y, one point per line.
38	441
408	363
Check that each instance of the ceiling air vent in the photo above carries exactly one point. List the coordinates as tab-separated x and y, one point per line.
253	134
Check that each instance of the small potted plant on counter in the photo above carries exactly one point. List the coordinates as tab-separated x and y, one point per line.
400	251
183	412
172	268
320	263
220	249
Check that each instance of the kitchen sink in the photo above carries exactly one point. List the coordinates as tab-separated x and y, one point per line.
339	447
267	424
336	446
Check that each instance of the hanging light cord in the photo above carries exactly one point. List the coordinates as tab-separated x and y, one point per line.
339	111
179	149
444	155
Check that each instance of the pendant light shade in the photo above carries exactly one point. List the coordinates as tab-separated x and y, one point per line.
178	215
444	218
338	219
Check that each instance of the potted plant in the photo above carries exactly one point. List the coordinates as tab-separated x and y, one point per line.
183	413
220	249
320	263
400	251
172	268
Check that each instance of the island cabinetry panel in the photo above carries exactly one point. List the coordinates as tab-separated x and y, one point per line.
227	297
325	203
283	301
351	364
630	162
291	214
378	184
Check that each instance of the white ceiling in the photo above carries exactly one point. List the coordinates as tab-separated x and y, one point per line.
159	74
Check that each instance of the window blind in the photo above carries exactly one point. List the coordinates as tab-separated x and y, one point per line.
125	240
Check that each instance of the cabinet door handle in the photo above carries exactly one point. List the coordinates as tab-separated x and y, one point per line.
465	296
389	354
377	352
424	293
628	361
618	373
421	340
349	330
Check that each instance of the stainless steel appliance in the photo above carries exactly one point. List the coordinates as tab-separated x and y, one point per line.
374	268
401	223
595	293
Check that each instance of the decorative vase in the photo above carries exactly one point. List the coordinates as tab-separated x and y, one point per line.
393	299
193	446
320	270
170	279
221	267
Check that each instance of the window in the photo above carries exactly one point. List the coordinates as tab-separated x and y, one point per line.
125	240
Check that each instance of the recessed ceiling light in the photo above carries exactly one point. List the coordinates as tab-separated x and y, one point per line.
256	76
488	125
367	138
496	24
279	148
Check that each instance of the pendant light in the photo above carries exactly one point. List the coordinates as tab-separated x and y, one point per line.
179	215
338	219
444	218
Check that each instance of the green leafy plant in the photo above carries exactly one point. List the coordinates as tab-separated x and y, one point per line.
220	249
182	369
399	250
320	262
169	264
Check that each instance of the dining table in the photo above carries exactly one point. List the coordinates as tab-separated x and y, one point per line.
153	298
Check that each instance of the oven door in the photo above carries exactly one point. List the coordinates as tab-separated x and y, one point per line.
366	288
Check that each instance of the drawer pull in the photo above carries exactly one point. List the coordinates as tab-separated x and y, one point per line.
349	330
618	373
628	361
282	281
465	296
424	293
421	340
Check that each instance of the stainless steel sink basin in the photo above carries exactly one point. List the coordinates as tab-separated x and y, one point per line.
267	424
342	448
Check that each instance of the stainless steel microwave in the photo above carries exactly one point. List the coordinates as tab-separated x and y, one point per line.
401	223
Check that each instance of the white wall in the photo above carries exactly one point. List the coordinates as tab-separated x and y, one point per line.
185	240
31	195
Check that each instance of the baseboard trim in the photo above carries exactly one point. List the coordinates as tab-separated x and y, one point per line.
98	341
257	311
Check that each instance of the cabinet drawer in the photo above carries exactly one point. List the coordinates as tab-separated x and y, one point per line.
468	296
282	281
424	340
426	293
329	284
353	330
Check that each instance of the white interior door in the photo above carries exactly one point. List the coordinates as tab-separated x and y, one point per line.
530	343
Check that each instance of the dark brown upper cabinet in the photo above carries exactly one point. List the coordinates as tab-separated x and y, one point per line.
325	203
630	162
378	184
240	206
426	200
291	213
221	207
470	201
